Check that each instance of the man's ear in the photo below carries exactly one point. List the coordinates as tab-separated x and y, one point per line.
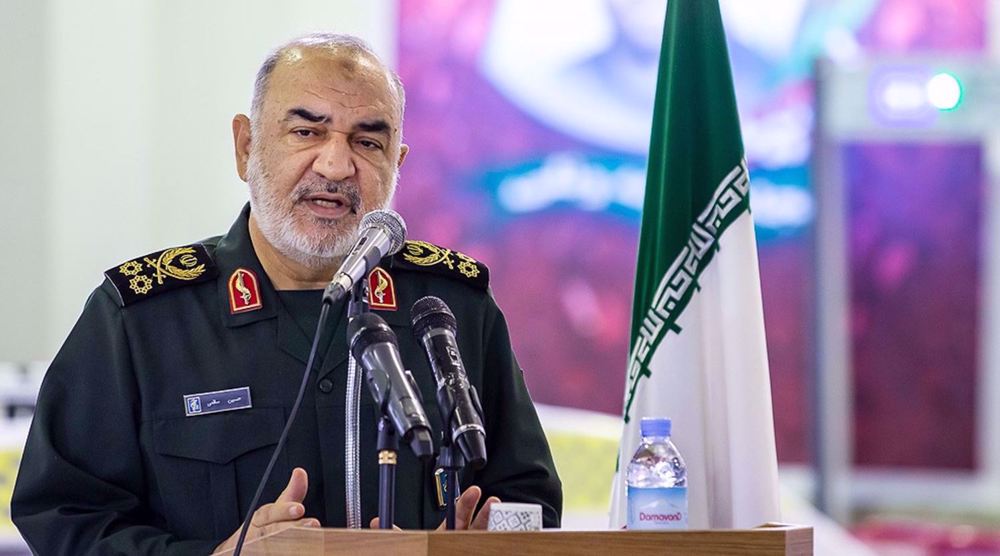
403	149
241	142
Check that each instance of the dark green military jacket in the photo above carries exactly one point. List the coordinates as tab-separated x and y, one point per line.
114	465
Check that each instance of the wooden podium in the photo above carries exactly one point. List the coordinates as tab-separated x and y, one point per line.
769	540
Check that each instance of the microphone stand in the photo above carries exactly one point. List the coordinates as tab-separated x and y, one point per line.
388	440
388	447
358	302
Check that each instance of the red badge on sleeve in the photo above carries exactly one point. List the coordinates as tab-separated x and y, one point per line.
244	292
381	292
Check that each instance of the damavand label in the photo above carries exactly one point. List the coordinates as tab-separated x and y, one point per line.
676	516
657	508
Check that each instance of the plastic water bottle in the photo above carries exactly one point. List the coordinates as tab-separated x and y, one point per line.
657	480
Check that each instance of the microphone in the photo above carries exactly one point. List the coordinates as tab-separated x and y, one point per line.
434	326
375	347
382	233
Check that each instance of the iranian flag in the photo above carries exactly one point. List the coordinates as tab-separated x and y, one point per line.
697	352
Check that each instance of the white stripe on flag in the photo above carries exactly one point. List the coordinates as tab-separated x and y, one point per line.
712	380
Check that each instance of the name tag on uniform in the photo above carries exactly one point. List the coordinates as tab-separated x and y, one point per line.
216	402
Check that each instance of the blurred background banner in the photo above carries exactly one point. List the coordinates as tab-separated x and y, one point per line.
869	134
871	195
529	134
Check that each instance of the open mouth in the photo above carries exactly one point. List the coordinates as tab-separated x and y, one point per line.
328	205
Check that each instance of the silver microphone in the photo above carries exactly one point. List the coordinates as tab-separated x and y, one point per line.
382	233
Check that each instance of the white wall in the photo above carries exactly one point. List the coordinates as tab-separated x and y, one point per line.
23	175
116	136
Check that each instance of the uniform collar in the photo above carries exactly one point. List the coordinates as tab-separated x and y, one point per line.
233	252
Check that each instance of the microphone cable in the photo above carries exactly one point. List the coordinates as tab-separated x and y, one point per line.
324	312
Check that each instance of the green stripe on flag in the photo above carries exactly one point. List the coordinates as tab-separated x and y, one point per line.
696	180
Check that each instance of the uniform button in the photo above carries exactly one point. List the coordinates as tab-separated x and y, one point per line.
326	386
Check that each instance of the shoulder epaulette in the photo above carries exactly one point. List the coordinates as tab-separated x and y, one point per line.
421	255
161	271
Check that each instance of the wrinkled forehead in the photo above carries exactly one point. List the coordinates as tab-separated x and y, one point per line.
347	78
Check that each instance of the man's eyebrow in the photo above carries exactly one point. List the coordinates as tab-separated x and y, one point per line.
374	126
306	115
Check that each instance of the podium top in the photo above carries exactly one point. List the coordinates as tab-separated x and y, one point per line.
792	540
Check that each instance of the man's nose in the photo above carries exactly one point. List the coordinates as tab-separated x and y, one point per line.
335	160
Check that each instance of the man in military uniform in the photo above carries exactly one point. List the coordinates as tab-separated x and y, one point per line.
158	416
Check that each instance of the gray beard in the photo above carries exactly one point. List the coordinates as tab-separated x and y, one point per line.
276	223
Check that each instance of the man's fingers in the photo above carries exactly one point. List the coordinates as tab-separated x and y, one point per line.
275	527
483	517
374	524
465	510
277	512
465	507
306	522
287	511
297	486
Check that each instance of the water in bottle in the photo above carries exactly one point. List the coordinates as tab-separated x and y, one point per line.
657	480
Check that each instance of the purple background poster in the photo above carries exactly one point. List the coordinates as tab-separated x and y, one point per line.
528	126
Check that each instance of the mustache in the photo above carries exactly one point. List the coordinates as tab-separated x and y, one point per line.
347	189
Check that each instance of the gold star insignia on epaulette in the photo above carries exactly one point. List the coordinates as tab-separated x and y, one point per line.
444	261
157	272
140	284
467	266
422	253
130	268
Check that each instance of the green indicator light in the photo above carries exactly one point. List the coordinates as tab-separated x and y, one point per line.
944	91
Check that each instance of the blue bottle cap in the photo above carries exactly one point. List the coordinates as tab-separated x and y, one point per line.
655	426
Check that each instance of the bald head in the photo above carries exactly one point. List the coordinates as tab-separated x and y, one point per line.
352	52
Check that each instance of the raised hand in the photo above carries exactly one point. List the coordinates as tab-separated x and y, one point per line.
287	511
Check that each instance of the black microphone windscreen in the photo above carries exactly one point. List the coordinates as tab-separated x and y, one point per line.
367	329
430	312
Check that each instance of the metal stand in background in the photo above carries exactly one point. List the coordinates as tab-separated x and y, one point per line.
450	462
388	448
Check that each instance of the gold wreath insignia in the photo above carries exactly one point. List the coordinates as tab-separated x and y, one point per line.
130	268
164	268
427	254
140	284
